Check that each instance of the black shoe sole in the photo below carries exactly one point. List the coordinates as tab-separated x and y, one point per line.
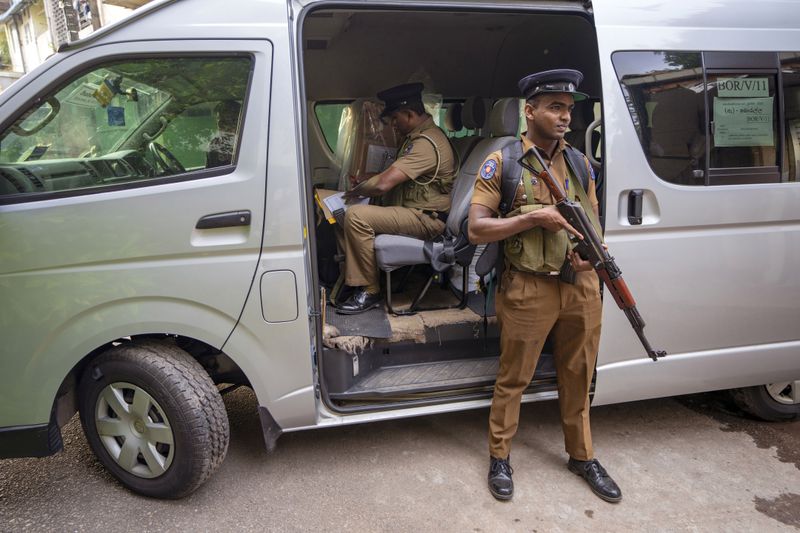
599	494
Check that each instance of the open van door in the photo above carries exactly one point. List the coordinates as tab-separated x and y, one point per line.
701	196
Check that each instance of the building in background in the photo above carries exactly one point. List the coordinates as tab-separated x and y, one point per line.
32	30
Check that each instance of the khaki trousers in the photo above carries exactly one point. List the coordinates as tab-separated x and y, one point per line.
529	307
363	222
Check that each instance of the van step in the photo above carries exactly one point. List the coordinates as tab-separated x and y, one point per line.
427	377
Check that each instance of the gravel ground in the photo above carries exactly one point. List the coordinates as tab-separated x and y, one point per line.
685	464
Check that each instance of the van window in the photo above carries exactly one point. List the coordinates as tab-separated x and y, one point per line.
709	118
744	130
127	122
329	115
790	74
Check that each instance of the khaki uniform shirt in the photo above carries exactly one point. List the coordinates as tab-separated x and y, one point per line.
417	159
488	184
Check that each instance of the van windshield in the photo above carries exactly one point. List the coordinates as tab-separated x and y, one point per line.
91	116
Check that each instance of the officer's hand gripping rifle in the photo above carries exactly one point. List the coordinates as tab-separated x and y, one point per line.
591	249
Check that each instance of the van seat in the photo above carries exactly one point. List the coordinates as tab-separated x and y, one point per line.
395	251
472	116
582	116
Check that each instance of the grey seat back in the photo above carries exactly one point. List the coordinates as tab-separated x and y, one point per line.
395	251
582	116
503	129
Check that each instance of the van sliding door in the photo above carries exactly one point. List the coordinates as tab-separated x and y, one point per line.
707	141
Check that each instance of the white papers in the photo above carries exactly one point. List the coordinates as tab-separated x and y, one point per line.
743	122
336	201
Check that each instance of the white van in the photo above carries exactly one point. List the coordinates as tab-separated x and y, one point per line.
145	270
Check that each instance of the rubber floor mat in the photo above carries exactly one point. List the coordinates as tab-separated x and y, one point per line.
429	376
373	323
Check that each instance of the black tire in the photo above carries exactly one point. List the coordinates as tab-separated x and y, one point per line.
183	402
758	402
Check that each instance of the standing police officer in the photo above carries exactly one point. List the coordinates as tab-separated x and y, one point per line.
420	181
532	301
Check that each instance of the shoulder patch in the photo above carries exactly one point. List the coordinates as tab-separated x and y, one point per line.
407	149
591	173
487	171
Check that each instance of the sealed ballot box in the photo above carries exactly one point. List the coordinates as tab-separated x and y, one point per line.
366	146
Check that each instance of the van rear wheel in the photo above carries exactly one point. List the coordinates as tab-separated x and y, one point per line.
154	418
775	402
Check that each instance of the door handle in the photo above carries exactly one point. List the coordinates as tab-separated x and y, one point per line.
224	220
635	207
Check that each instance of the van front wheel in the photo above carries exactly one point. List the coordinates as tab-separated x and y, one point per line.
154	418
775	402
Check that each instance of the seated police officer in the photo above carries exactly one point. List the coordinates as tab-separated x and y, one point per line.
420	181
532	301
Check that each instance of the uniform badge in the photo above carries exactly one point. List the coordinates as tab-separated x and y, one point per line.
534	181
591	172
488	169
407	149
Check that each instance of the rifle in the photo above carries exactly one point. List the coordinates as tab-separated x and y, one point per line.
591	249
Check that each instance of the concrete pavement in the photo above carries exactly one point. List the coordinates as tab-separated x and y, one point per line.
683	465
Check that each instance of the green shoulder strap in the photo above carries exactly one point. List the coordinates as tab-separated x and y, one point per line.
577	165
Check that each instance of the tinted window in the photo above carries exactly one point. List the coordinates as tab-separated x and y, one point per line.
126	122
743	133
664	92
709	118
790	74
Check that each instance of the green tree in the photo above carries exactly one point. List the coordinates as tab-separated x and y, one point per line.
682	59
5	54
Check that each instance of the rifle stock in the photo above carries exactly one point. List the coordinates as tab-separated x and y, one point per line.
591	249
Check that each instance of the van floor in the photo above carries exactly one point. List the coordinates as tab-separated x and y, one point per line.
416	327
432	353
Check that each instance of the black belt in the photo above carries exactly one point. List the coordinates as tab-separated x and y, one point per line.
441	215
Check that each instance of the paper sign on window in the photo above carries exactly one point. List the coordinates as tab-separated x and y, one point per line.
743	87
743	122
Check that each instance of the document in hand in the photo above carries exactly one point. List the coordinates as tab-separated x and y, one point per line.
330	201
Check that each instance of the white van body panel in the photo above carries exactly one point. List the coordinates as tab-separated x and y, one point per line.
59	273
712	268
170	268
276	357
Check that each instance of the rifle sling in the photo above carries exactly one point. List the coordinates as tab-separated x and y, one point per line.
577	164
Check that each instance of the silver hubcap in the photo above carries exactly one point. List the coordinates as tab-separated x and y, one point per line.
134	430
785	392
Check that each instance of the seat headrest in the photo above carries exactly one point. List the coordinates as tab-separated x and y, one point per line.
452	119
582	116
473	113
504	118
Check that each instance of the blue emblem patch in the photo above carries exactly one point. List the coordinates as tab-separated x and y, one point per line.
487	171
591	170
407	149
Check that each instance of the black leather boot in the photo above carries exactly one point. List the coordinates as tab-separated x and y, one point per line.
597	478
359	302
500	483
